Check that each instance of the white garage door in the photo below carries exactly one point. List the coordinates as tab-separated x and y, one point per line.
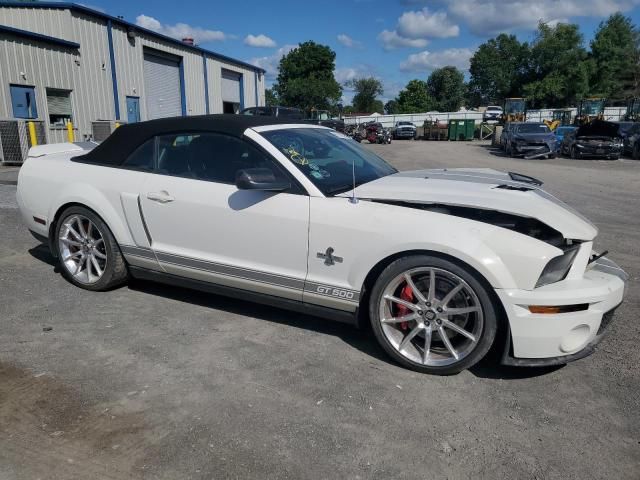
231	87
162	86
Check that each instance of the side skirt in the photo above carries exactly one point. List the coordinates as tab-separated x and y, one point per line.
287	304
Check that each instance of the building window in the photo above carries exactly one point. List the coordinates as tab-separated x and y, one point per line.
23	101
59	104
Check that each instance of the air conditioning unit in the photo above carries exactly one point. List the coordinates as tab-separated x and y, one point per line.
101	129
15	140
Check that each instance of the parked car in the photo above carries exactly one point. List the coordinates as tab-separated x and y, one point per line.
560	132
493	113
299	216
530	140
404	130
506	130
629	133
598	139
288	112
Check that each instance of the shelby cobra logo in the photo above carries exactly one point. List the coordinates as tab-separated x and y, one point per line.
335	292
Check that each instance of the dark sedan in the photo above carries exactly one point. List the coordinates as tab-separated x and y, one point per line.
598	139
530	140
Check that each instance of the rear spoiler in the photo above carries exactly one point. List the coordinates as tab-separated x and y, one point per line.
53	148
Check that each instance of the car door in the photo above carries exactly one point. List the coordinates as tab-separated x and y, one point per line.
201	226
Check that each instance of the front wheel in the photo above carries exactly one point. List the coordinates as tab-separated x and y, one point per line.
88	254
574	153
635	153
432	315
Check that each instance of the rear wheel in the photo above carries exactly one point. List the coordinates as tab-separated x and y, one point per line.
432	315
88	254
635	153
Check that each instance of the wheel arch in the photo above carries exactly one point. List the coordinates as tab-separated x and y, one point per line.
376	270
53	223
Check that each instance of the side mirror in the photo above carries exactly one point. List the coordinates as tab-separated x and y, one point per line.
260	179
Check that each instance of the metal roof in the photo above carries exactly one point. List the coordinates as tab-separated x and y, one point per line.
96	13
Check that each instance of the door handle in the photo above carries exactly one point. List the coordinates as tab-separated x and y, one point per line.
160	197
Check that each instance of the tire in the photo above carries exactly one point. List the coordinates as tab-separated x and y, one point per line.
85	240
510	151
405	341
635	153
574	153
551	156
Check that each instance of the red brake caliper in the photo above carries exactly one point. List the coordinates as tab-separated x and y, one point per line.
407	295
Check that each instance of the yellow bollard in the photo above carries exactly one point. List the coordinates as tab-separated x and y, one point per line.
32	133
70	132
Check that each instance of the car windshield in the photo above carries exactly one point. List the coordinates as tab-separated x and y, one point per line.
328	158
533	128
405	123
625	126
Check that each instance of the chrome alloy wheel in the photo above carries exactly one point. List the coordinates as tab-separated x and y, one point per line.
82	249
431	316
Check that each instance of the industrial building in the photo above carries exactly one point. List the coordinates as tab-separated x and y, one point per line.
64	63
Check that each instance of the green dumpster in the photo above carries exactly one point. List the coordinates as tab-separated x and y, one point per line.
461	129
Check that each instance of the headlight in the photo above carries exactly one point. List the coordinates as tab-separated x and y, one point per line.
558	267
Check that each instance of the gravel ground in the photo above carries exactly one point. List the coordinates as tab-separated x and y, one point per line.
159	382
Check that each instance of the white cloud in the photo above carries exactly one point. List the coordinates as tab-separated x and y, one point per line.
488	17
180	30
260	41
391	40
270	63
425	24
427	61
348	42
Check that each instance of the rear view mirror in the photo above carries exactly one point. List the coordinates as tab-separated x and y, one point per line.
260	179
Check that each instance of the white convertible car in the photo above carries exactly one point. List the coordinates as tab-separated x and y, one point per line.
443	263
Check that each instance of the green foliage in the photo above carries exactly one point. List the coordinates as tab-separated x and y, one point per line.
559	67
414	98
497	70
556	70
305	79
391	107
367	89
615	53
378	106
447	89
271	98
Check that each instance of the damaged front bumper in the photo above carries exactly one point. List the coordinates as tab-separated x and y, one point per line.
536	339
535	150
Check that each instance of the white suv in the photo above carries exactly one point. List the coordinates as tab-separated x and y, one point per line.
492	113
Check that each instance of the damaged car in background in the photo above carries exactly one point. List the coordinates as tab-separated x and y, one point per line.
444	264
530	140
598	139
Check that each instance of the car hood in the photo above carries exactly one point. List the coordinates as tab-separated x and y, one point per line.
481	188
598	128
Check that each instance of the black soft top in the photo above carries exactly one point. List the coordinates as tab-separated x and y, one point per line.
125	139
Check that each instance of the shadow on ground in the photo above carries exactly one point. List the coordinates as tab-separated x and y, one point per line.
359	338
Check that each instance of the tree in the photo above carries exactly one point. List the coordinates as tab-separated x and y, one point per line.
367	89
414	98
271	99
305	78
446	87
559	68
391	107
497	70
615	53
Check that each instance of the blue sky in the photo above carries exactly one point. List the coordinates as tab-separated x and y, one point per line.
394	40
